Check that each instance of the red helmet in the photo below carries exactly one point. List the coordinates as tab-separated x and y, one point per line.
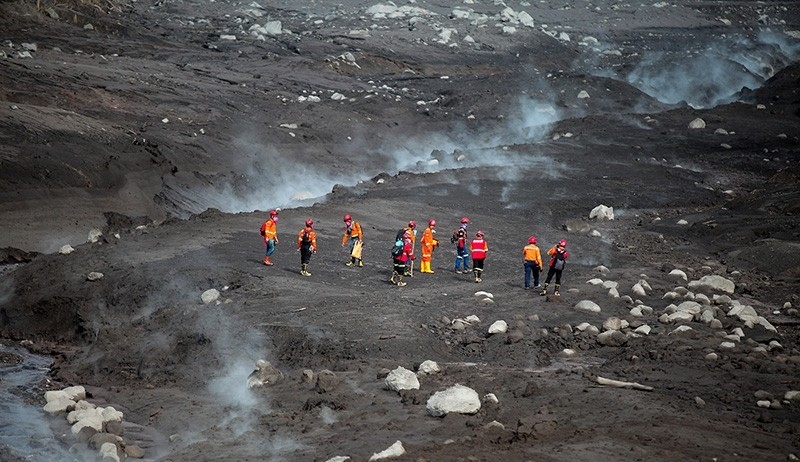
532	240
309	222
273	213
412	224
562	243
465	221
432	222
348	217
479	234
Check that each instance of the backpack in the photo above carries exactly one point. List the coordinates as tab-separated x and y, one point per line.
559	263
306	240
397	250
263	230
459	236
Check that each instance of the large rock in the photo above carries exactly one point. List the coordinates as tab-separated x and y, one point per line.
395	450
498	327
612	338
602	212
428	367
588	306
458	399
264	374
713	283
402	379
327	381
210	296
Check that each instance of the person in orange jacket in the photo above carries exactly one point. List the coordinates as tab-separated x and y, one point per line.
558	260
269	230
354	235
532	259
306	245
479	248
429	243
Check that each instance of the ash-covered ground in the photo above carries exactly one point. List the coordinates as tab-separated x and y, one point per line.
172	127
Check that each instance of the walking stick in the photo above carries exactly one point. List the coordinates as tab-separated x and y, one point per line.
413	244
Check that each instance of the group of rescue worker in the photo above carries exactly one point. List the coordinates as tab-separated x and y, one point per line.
404	256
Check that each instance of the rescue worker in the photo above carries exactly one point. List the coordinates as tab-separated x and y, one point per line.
307	246
353	235
412	230
460	240
532	259
558	259
401	261
429	244
269	229
479	248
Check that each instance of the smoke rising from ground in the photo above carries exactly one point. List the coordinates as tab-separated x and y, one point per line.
267	178
715	74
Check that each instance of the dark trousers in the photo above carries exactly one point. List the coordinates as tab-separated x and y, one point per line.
305	254
551	272
531	267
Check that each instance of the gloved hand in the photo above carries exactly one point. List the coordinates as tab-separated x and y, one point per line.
413	257
313	250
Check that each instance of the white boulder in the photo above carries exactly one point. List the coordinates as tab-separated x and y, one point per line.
712	283
602	212
395	450
402	379
498	327
588	306
458	399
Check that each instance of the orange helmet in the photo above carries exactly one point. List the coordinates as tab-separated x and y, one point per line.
432	222
412	224
309	222
273	213
348	217
465	221
532	240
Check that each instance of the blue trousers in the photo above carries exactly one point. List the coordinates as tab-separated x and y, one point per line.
462	257
270	247
531	267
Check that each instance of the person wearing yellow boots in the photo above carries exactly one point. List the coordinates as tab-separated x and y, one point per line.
429	244
269	230
307	246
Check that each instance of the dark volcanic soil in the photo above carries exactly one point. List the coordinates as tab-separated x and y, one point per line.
171	126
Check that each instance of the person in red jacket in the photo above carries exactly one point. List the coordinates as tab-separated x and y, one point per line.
479	247
400	261
269	229
307	246
558	260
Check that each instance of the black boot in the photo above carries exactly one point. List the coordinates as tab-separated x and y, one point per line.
557	293
544	289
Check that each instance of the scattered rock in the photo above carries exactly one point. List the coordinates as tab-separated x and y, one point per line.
458	399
